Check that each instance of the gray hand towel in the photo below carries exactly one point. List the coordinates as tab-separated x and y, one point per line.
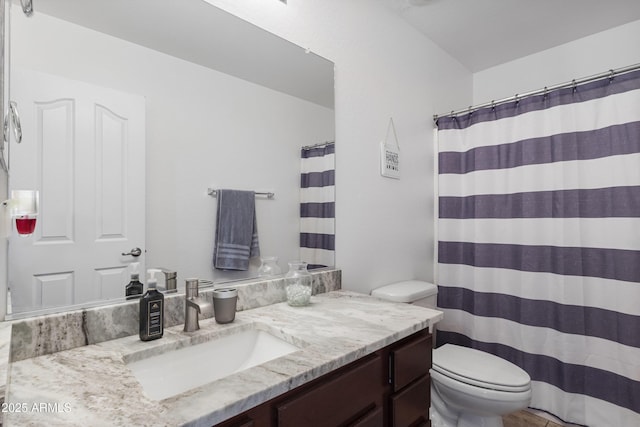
236	239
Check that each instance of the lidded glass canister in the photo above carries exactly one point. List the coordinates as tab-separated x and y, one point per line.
298	284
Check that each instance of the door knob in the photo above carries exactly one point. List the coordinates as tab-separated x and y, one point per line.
134	252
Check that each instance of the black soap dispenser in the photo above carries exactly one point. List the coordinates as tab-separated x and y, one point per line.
134	288
151	310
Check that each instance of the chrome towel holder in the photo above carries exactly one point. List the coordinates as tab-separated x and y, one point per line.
268	194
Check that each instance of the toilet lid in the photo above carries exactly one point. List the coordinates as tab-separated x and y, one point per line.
479	368
407	291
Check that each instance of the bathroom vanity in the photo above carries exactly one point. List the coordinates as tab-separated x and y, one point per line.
387	388
357	361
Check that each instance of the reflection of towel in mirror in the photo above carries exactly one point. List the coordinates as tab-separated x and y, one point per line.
236	239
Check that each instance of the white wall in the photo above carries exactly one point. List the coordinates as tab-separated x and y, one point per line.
383	68
4	228
615	48
204	128
4	220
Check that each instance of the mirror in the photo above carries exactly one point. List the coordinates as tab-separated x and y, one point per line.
223	104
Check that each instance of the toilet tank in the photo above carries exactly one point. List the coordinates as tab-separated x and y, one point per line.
416	292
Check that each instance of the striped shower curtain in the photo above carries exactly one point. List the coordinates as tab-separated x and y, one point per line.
317	206
539	244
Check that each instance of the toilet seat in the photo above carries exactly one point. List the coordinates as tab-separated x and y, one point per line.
480	369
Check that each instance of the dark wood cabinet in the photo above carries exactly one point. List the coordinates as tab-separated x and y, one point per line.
407	406
244	422
410	382
337	401
390	387
410	361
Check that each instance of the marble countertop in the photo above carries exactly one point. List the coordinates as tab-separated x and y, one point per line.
91	385
5	339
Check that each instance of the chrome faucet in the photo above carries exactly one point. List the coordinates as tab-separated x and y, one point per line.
194	306
169	280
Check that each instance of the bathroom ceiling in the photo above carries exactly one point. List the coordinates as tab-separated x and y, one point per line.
193	32
485	33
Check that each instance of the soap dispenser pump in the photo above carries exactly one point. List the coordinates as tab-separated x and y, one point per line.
135	288
152	310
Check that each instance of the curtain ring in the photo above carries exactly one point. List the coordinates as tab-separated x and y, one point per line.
493	105
574	85
517	98
545	93
611	74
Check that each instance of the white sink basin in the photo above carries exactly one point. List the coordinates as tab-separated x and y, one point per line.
177	371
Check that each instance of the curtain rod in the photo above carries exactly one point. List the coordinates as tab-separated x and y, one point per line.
320	144
574	82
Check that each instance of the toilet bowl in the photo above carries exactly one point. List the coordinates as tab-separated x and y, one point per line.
469	387
474	388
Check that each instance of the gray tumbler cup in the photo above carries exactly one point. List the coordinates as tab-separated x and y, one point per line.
224	304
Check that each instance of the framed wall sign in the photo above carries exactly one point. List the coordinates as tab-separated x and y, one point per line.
390	154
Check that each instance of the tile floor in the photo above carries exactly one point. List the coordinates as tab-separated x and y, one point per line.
527	419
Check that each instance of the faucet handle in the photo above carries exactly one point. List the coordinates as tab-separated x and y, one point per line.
192	288
170	279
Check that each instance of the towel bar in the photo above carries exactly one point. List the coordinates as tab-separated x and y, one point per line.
270	195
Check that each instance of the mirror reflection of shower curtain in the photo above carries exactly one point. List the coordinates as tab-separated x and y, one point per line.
317	205
539	251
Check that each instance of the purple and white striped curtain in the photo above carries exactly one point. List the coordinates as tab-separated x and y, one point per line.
539	244
317	206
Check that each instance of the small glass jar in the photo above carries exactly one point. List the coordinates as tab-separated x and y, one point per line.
269	267
298	284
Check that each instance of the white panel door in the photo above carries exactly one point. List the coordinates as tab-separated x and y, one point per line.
83	148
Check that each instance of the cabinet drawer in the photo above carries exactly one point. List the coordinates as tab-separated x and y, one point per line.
411	405
340	400
374	418
237	422
410	361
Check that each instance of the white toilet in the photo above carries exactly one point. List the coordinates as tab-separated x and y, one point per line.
469	388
